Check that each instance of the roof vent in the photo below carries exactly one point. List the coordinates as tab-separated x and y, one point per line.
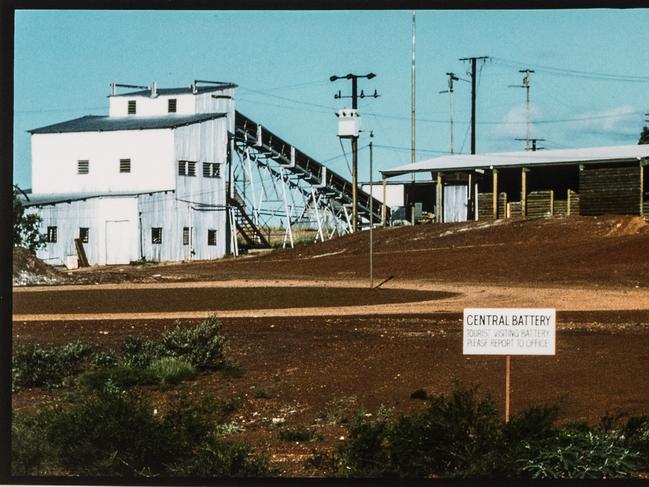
154	90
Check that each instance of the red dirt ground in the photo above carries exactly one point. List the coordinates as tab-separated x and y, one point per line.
320	368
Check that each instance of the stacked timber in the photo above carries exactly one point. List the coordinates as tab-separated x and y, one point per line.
502	205
573	203
540	204
645	208
560	207
613	190
485	206
514	208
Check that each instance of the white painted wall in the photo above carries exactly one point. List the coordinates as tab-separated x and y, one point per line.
92	213
394	194
55	156
146	106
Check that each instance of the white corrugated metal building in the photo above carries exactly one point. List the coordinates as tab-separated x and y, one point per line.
148	181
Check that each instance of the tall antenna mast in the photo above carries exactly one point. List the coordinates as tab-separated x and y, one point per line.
413	155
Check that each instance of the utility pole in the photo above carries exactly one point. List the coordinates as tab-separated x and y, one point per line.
451	78
526	85
533	141
354	78
413	142
474	75
371	216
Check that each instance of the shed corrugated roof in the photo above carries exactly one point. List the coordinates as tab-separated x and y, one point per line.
524	158
99	123
180	91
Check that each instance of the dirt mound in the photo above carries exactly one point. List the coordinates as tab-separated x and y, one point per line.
630	225
29	269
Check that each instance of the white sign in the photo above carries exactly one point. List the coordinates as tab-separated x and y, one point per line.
509	331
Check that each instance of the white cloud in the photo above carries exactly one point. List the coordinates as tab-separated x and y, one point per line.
619	121
514	123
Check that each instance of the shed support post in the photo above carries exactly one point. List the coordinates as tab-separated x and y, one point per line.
523	192
438	199
642	166
494	193
384	209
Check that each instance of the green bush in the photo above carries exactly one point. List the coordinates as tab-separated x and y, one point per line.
202	345
104	359
299	433
36	366
117	434
463	436
31	452
262	394
172	370
577	455
119	376
139	352
230	370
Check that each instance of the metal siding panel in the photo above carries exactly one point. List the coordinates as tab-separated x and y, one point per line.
93	214
455	203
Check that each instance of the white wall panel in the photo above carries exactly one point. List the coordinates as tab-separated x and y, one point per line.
55	156
147	106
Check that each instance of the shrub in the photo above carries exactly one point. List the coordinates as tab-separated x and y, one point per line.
117	434
104	359
262	394
299	434
112	434
449	438
35	366
221	458
30	451
419	394
171	370
230	370
139	352
202	345
576	455
119	376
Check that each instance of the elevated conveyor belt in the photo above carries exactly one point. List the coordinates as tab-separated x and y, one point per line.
329	186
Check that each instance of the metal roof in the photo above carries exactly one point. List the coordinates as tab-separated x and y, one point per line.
52	198
180	91
524	159
100	123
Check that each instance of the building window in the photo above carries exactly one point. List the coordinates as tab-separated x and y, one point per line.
211	170
124	165
211	237
131	107
171	105
83	167
186	168
186	236
51	234
84	234
156	235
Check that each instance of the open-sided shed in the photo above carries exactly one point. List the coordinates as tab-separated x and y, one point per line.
587	181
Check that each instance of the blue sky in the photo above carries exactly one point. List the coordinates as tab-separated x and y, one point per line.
282	60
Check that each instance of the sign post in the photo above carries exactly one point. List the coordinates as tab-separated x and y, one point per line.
509	331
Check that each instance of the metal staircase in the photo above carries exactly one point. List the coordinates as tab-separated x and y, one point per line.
303	190
252	235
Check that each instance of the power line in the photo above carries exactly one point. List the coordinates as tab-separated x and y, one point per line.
574	72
